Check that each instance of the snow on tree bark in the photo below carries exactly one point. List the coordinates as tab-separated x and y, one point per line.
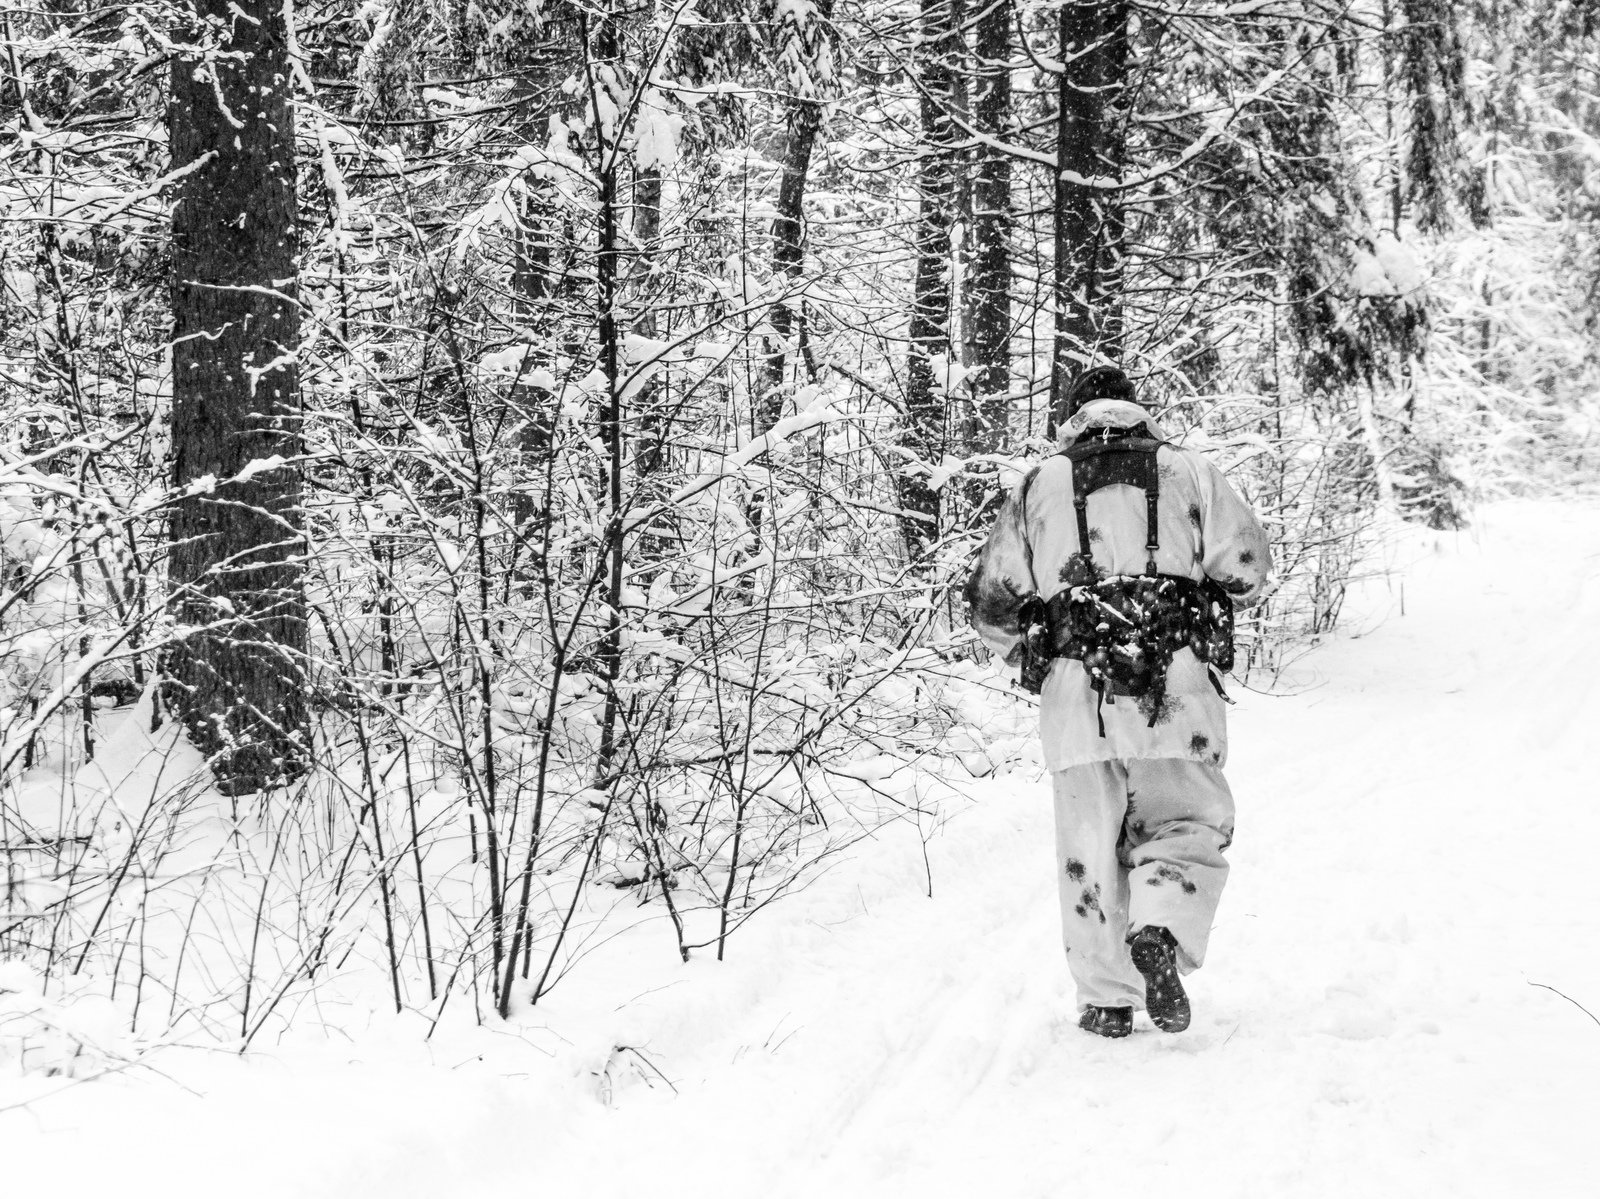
990	335
805	56
237	544
923	434
1093	47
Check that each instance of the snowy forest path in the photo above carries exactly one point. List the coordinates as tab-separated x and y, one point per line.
1413	870
1373	1012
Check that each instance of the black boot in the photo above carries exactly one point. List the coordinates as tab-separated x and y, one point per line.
1107	1021
1154	951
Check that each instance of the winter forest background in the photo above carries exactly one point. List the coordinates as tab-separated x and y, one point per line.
481	476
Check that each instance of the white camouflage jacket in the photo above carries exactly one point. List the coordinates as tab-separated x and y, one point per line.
1205	529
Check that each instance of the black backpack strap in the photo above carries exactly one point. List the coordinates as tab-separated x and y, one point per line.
1080	505
1098	463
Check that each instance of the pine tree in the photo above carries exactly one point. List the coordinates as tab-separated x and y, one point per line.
236	564
989	335
1093	43
923	433
805	63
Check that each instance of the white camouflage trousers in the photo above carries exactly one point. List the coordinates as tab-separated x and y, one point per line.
1138	842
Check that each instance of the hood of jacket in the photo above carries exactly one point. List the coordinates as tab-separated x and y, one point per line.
1109	414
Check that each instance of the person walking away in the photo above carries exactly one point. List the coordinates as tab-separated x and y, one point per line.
1110	576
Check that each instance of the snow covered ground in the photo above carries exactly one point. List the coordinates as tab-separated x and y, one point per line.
1415	866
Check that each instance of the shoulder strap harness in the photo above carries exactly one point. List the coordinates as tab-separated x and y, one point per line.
1169	611
1104	461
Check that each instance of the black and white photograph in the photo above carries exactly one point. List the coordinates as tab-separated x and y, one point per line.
882	599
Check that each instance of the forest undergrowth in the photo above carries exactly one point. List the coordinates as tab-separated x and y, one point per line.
635	486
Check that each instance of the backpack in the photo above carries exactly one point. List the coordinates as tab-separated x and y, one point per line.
1125	629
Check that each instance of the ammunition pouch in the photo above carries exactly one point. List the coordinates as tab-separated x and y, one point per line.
1033	618
1125	629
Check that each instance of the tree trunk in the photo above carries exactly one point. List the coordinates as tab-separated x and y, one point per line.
1088	212
1111	65
788	250
604	73
807	57
237	562
923	431
537	58
650	443
989	339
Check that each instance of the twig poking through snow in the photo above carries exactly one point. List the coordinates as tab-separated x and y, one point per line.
1568	998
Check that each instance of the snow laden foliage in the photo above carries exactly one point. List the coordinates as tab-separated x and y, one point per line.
587	647
633	509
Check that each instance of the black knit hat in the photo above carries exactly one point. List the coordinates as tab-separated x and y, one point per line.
1100	383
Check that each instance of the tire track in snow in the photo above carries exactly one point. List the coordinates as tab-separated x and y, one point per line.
959	1047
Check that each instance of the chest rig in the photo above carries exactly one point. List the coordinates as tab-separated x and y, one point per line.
1124	628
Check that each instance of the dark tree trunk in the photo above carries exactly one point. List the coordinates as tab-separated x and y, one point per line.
788	249
538	58
1111	62
989	338
237	560
923	430
802	123
647	190
606	53
530	263
532	402
1088	214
